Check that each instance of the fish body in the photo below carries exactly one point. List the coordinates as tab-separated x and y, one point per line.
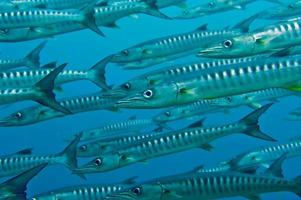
220	82
131	125
270	39
31	60
110	144
282	12
75	105
209	186
173	142
24	160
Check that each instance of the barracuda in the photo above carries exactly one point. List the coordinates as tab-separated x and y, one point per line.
170	73
110	144
216	6
174	142
294	115
75	105
31	60
271	39
131	125
209	186
104	16
220	82
281	12
167	47
41	92
24	160
26	78
91	192
15	188
44	17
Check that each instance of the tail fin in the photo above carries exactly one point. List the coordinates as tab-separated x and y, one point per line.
97	73
17	186
244	25
252	124
89	18
44	91
69	153
297	189
154	10
33	58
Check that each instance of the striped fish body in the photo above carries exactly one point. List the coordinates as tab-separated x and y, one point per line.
10	64
17	164
14	95
267	155
110	144
27	78
80	104
222	185
116	128
171	45
91	192
49	4
36	17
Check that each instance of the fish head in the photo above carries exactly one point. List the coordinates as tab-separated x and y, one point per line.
136	53
151	191
231	101
87	150
102	163
154	97
28	116
172	114
233	47
247	160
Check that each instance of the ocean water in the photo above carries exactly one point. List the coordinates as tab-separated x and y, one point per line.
84	48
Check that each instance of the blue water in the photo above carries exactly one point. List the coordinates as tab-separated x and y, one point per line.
81	50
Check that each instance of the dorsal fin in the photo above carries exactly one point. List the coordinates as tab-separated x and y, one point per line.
50	65
203	27
275	168
197	124
132	117
130	181
27	151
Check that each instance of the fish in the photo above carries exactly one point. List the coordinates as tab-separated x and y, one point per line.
166	48
265	155
212	186
173	72
15	188
26	78
42	17
110	144
219	82
91	192
24	160
194	136
269	39
36	114
105	15
282	12
31	60
216	6
41	92
44	4
116	128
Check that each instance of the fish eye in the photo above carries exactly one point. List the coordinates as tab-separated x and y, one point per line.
253	158
83	148
228	43
18	115
137	190
229	99
125	52
167	113
148	94
211	4
127	86
98	162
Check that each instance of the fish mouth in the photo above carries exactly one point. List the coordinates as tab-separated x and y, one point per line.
209	51
129	101
6	123
84	169
115	94
121	196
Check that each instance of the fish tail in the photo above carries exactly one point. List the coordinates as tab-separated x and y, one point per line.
89	18
32	59
17	185
154	10
251	121
97	73
43	91
297	188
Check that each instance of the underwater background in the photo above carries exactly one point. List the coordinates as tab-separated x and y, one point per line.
83	49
